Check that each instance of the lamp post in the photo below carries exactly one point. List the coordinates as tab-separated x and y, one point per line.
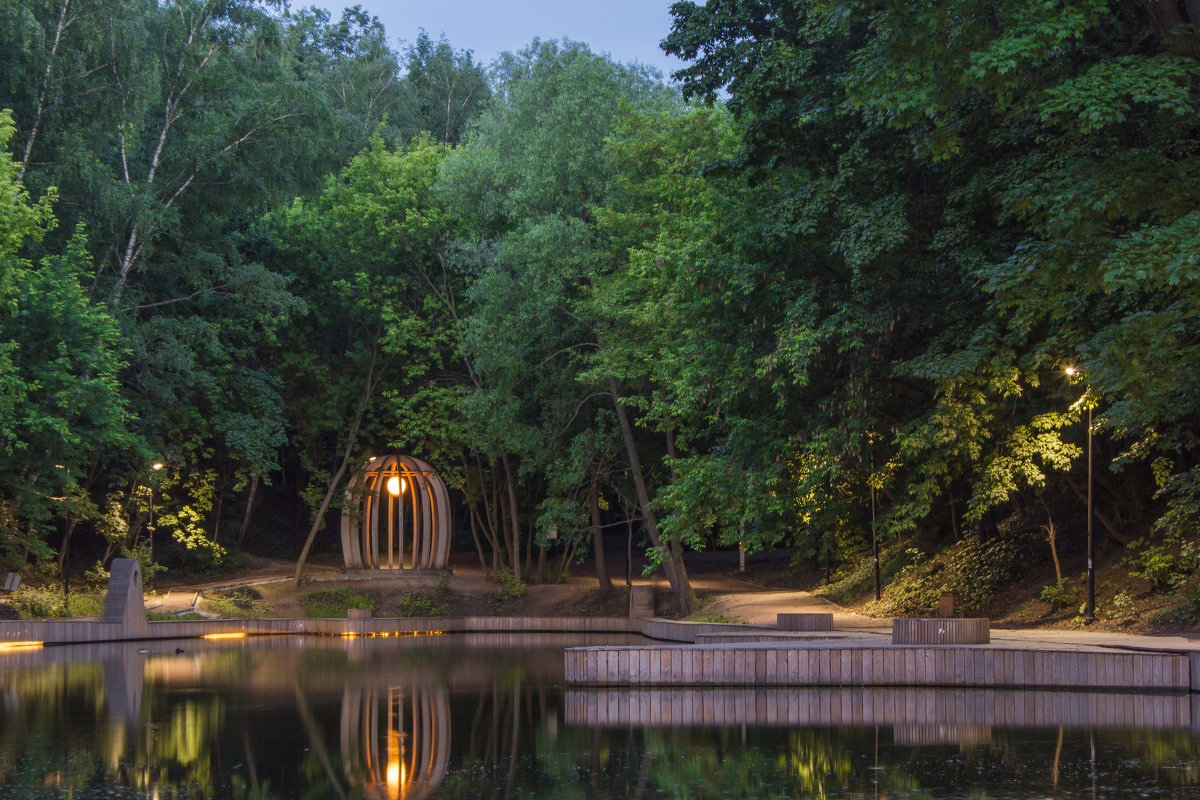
1090	609
875	544
157	467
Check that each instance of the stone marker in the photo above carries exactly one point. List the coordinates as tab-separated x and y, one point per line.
125	603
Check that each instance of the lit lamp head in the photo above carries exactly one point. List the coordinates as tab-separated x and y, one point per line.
396	485
1071	371
156	466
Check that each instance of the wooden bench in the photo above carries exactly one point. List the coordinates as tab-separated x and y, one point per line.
820	621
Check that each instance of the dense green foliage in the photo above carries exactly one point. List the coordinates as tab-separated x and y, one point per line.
837	300
334	602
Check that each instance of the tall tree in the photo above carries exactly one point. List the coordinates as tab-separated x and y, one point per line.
359	253
531	173
60	354
932	149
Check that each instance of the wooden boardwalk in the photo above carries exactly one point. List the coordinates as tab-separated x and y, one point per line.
716	654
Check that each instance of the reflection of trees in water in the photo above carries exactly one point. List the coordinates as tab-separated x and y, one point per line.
377	724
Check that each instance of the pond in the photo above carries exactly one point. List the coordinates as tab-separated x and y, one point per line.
488	716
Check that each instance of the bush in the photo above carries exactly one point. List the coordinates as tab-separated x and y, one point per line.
975	572
1059	595
335	602
1163	566
510	587
1122	605
443	582
728	619
415	604
46	602
856	578
237	603
1185	609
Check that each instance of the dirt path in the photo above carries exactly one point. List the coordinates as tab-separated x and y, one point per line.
721	590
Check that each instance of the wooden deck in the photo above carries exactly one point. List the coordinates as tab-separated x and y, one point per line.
868	663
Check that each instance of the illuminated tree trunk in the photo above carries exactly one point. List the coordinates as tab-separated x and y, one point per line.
672	561
598	538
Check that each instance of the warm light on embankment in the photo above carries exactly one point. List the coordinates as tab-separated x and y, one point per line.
384	635
5	646
235	635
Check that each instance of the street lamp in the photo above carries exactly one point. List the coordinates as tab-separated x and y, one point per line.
157	466
1090	612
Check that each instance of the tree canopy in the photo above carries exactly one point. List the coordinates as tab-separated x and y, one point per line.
823	289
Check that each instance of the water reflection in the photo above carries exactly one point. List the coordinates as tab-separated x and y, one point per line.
470	717
397	739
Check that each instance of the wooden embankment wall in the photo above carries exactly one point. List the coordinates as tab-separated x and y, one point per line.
874	665
915	713
78	631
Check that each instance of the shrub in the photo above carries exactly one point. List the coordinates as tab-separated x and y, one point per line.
510	587
728	619
1122	605
415	604
1059	595
975	572
443	582
335	602
45	602
237	603
1163	566
856	578
1185	609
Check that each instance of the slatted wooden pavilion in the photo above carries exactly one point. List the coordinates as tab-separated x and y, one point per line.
396	516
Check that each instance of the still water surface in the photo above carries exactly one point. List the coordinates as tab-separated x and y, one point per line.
484	717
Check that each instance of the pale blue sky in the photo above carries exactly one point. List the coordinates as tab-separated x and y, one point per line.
628	30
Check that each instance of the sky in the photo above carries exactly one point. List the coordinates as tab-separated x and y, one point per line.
628	30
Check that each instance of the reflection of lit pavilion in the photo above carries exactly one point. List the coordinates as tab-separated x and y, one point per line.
396	516
399	748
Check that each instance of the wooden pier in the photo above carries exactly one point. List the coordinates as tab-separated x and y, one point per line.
866	663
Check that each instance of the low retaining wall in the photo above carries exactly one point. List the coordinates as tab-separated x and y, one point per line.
669	630
878	666
78	631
